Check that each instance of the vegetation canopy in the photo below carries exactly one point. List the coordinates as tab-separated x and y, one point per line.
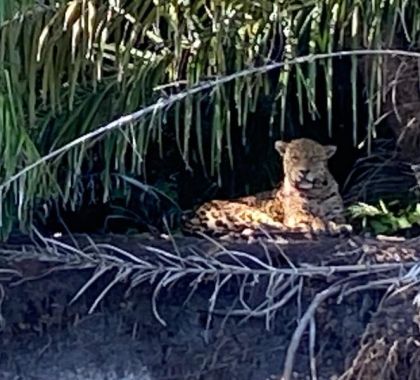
68	68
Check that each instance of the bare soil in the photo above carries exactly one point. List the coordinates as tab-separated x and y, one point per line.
363	330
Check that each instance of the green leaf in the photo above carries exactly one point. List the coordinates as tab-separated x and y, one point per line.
379	228
403	222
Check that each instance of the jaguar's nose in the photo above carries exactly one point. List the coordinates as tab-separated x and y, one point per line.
304	172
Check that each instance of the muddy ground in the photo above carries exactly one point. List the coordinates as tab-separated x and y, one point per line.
361	330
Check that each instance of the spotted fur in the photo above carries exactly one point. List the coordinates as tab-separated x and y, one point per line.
308	199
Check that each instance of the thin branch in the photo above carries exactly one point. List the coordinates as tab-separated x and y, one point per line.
303	324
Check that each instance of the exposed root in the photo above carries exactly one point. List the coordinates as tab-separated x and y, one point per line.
390	347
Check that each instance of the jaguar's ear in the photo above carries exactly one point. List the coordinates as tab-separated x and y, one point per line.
330	150
281	147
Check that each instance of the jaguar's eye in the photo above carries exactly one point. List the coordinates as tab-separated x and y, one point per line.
295	158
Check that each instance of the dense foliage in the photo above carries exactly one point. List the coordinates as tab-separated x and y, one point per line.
68	67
